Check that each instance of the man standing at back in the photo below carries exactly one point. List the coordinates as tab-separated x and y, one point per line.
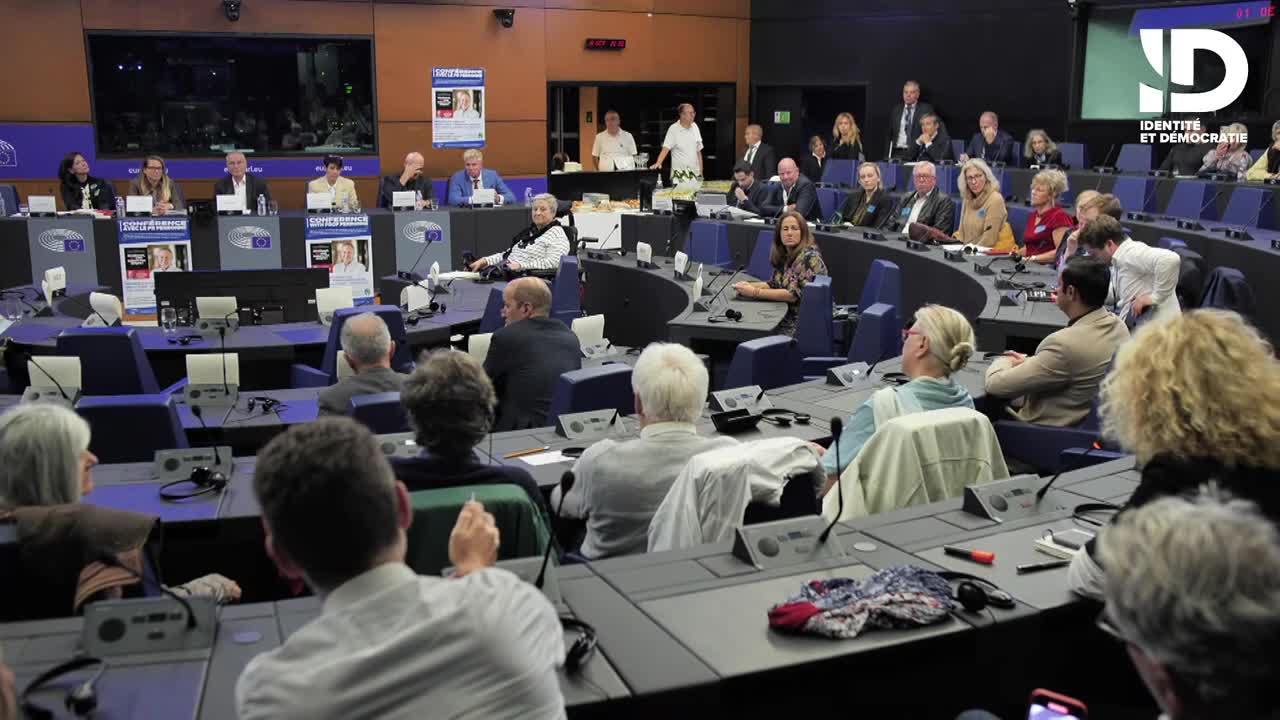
759	155
368	348
904	121
389	642
240	183
528	355
683	142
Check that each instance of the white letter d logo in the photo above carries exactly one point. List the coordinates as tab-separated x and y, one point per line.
1182	49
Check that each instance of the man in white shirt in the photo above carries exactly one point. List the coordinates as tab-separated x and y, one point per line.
684	143
620	485
926	204
1143	278
904	121
346	262
612	144
389	643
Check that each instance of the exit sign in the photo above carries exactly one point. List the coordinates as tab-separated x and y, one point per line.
606	44
781	117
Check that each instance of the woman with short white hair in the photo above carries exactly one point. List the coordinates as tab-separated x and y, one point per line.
537	247
44	456
1230	157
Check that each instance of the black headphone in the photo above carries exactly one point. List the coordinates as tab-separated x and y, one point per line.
80	700
204	480
183	340
976	594
583	646
727	315
269	404
783	417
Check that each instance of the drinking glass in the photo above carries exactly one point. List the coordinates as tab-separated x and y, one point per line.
12	309
169	320
274	207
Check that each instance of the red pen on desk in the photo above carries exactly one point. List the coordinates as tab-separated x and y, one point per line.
978	556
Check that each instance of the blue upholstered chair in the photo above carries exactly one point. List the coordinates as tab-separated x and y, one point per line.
492	318
1227	289
893	175
839	172
876	337
947	175
9	194
709	243
1134	157
112	361
131	428
1169	243
883	285
380	412
1074	155
1189	200
769	362
760	267
957	147
815	334
566	295
1018	215
829	201
1134	193
402	361
1244	206
594	388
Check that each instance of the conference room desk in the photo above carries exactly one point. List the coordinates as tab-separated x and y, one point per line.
617	184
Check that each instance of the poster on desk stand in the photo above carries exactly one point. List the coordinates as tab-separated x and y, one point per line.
458	100
149	246
343	245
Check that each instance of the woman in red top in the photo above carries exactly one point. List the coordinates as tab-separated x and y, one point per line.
1049	224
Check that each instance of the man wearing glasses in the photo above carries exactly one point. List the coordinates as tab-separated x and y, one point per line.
927	205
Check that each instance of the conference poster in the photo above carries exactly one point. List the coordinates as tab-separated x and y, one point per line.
458	100
149	246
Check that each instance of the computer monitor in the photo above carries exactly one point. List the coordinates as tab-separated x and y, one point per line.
265	296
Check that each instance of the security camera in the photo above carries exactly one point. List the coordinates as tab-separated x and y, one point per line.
232	9
506	16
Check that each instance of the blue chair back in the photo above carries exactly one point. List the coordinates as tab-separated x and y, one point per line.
840	172
1228	290
1243	207
594	388
829	201
883	285
1134	193
1169	243
1073	154
1018	216
1256	153
380	412
566	294
769	362
492	318
131	428
947	175
9	193
957	148
1134	157
1016	160
401	361
112	361
815	335
709	243
892	176
1188	199
878	335
760	267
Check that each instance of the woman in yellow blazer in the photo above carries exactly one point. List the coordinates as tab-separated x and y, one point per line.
342	189
983	215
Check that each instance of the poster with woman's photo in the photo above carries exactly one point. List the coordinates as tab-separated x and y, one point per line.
149	246
343	245
458	100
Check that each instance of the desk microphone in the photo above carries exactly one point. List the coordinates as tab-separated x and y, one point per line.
222	350
566	484
108	559
1212	200
408	275
837	427
711	303
87	306
1104	166
199	413
47	374
1253	223
1044	490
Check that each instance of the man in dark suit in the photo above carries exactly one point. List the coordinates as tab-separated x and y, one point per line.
238	182
796	192
368	347
408	180
763	161
904	121
991	143
528	355
747	193
927	205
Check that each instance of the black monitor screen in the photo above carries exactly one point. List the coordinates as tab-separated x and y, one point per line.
207	94
290	292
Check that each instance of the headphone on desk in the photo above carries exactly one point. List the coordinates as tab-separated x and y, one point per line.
583	646
726	316
976	594
205	481
783	417
80	700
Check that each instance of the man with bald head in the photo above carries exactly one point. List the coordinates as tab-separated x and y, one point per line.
795	192
528	355
240	182
367	347
410	179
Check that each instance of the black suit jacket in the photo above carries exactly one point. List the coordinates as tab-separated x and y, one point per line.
254	186
765	163
878	218
525	360
939	212
1053	157
895	119
804	195
940	149
757	196
391	184
811	167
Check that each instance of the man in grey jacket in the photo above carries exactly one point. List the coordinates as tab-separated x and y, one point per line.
368	347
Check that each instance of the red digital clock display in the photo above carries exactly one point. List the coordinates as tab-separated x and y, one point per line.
606	44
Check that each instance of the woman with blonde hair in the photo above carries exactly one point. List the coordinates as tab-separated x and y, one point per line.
1268	165
868	205
936	345
846	138
1049	224
154	180
1040	149
1229	157
1196	398
796	261
983	214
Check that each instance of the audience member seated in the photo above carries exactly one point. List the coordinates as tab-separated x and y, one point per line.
746	193
240	183
1041	150
1143	277
904	121
796	260
1196	399
410	179
1057	385
927	204
527	357
1229	158
342	190
795	193
154	180
620	484
869	205
45	470
983	215
474	177
1090	204
368	347
933	143
79	189
846	139
1186	158
389	642
1049	224
812	165
990	142
938	343
1268	165
451	403
538	247
759	154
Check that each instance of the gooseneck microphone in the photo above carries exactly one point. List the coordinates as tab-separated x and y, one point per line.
1044	489
47	374
199	413
837	428
712	301
108	559
566	484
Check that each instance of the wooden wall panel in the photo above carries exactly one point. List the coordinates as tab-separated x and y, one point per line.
641	6
206	16
743	55
46	75
710	8
588	99
696	49
567	59
515	148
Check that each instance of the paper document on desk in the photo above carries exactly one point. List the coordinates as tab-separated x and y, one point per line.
546	458
458	275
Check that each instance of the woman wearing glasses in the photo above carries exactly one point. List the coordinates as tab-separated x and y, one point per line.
154	180
984	214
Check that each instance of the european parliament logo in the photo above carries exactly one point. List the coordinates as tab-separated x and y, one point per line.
250	237
423	231
61	240
8	154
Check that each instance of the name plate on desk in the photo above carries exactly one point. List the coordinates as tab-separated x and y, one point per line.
783	543
42	205
177	464
644	253
591	425
138	205
229	205
681	265
319	202
750	398
146	625
403	200
1010	499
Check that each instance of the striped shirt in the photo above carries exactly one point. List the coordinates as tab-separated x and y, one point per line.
541	254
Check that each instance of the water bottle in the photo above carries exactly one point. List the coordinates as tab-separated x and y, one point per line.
119	207
346	205
417	199
659	185
262	204
528	196
4	211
